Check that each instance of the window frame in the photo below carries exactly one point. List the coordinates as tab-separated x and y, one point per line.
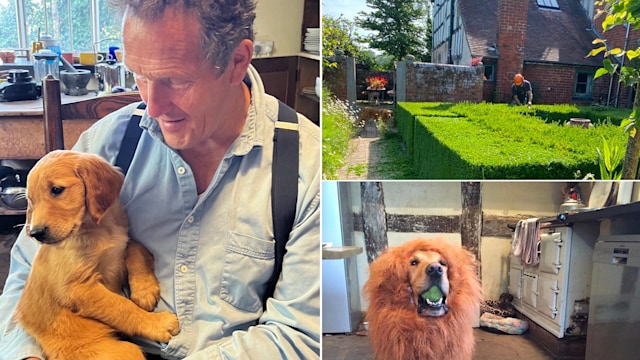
492	78
21	19
588	85
548	4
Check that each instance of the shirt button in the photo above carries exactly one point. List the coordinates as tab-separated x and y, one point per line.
190	219
181	170
184	269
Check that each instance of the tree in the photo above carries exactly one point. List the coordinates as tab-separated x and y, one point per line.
399	27
338	34
625	13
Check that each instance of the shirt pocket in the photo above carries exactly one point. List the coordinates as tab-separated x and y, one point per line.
248	264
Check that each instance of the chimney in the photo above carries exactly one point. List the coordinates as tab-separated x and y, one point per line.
512	32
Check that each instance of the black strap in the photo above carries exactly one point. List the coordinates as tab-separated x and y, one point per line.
130	140
284	187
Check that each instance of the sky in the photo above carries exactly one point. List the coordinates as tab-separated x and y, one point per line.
349	8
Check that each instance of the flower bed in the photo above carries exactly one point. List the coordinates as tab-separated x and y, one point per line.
495	141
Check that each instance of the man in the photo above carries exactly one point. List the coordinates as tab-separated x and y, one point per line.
198	190
521	91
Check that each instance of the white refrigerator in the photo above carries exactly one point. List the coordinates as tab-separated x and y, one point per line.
341	311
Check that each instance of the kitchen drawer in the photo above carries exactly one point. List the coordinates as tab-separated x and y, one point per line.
550	250
548	298
530	288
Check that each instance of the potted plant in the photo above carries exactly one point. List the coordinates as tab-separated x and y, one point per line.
377	82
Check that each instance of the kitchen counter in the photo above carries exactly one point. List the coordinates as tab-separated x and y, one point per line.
34	107
609	212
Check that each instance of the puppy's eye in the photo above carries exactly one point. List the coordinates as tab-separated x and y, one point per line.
443	263
413	262
57	190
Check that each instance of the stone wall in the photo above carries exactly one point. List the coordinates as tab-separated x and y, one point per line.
429	82
335	79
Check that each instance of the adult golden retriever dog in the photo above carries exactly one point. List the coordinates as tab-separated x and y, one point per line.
72	303
377	114
423	298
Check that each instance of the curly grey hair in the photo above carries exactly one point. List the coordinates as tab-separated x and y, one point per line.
224	23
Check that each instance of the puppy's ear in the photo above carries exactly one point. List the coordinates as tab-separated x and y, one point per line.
102	183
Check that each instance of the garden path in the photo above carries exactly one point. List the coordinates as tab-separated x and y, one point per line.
363	155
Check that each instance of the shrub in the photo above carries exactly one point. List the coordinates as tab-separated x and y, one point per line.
495	141
337	129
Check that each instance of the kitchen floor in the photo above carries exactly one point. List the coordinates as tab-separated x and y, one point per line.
488	346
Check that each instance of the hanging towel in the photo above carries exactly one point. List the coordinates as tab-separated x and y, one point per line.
516	243
525	241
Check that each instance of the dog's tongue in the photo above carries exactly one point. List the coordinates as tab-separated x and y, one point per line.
433	294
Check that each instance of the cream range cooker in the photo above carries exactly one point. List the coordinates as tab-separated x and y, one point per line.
546	293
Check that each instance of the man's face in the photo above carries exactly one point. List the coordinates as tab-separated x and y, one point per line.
181	89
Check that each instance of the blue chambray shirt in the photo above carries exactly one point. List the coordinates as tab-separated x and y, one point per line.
214	253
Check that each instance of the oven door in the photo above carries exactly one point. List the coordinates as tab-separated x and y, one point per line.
550	247
548	297
530	288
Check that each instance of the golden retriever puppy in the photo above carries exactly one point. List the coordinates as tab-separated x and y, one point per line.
377	114
72	303
423	298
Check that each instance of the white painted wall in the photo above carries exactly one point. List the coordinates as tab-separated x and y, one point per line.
280	21
444	198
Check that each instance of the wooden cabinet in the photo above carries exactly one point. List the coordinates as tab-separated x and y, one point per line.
308	103
310	18
287	77
279	77
292	79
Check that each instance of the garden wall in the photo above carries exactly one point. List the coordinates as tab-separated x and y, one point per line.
429	82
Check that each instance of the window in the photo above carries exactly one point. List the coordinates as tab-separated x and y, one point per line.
548	4
489	70
584	84
75	24
8	28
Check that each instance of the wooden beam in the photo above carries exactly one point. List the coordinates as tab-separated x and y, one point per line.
471	219
374	221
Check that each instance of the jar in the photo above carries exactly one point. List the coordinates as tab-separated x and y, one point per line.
45	62
110	75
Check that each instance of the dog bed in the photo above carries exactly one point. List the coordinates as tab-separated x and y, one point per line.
507	325
497	307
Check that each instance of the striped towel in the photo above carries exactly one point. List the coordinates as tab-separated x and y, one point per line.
525	241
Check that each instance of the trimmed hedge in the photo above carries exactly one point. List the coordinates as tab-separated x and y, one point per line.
495	141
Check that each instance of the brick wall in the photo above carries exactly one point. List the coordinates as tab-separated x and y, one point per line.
443	83
555	84
335	79
512	31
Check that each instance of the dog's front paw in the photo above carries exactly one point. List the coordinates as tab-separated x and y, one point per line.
162	327
145	292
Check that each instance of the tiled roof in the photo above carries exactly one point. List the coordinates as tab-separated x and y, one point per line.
552	36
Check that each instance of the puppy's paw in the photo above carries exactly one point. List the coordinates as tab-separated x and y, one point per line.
145	292
162	327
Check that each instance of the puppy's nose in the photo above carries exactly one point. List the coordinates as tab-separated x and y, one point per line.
434	269
39	233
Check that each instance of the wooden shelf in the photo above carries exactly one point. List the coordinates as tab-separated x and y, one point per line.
341	252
